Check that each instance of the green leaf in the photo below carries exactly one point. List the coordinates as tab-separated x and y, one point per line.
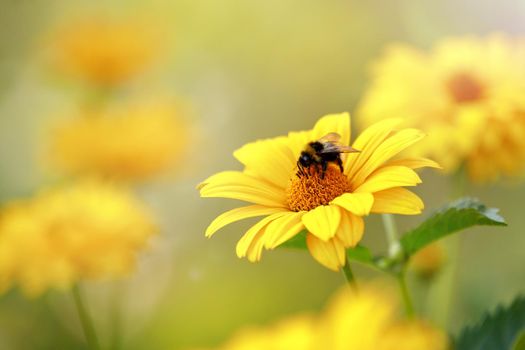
360	254
498	330
456	216
297	242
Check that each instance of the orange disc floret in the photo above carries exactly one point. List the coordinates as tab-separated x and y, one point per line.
465	87
308	192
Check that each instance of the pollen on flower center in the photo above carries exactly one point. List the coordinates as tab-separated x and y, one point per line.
464	87
309	192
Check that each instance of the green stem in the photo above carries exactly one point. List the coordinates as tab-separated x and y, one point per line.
349	275
444	290
117	300
443	293
407	299
97	97
85	320
394	247
394	250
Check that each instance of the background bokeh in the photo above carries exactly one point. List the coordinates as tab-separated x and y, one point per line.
249	70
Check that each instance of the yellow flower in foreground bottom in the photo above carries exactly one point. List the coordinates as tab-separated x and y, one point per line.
127	143
369	320
329	206
294	333
85	231
468	94
364	321
105	51
413	335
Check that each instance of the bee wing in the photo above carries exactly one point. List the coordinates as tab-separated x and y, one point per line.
332	147
332	137
331	143
347	149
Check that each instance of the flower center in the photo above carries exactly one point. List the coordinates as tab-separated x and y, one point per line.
464	87
310	191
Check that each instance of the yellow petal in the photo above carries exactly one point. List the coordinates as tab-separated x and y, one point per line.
322	221
254	252
415	163
233	177
351	229
389	177
271	159
367	142
282	229
397	201
251	243
331	253
241	186
391	146
338	123
357	203
239	214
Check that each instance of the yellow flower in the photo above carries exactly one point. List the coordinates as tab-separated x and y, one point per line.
133	142
356	320
468	94
88	230
329	207
412	335
369	320
294	333
366	321
104	51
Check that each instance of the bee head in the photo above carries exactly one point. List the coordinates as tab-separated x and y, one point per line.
305	159
316	146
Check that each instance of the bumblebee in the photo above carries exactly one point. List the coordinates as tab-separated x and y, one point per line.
320	153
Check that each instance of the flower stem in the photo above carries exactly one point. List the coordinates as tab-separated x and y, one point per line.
394	250
85	319
443	293
116	317
349	275
407	299
394	247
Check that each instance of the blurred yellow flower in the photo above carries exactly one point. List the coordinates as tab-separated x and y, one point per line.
429	260
468	94
329	207
366	321
356	320
412	335
88	230
132	142
294	333
104	51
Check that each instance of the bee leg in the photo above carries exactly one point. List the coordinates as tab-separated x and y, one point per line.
340	163
300	170
324	166
304	172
